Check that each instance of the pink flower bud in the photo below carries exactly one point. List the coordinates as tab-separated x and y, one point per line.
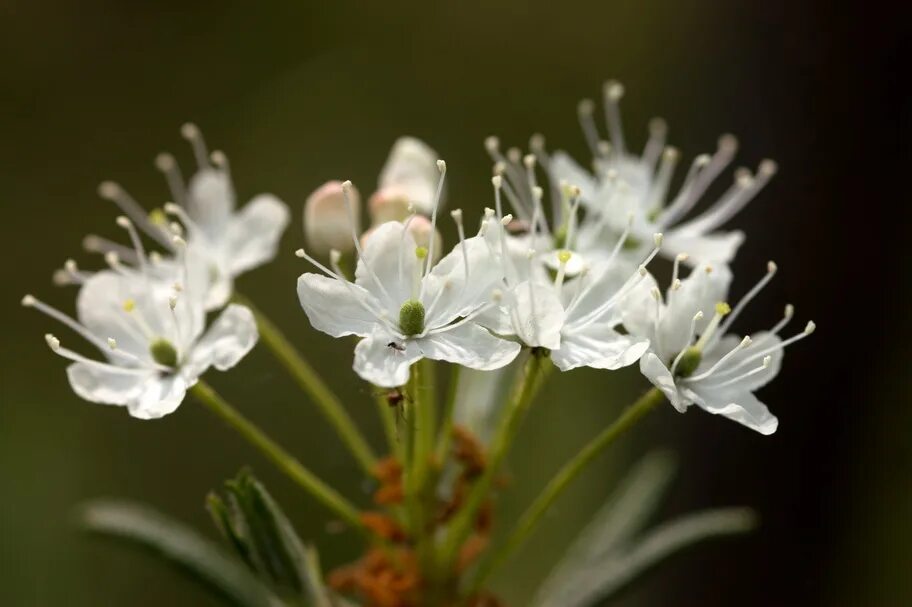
326	220
388	204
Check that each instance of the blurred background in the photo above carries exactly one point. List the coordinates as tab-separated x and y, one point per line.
300	92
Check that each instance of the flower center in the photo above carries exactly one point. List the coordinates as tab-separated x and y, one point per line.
163	352
689	361
411	317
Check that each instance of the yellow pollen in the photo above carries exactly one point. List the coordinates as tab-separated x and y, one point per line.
722	308
157	217
421	252
129	305
564	256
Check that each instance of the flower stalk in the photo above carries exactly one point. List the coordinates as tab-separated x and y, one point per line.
310	382
284	461
567	474
531	380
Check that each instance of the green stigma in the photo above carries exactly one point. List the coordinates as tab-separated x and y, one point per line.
157	217
689	362
163	352
631	243
411	317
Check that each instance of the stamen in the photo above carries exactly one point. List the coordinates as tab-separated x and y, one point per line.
179	212
572	218
441	166
126	224
456	214
741	345
346	195
659	189
692	333
677	265
613	91
658	130
770	272
767	361
584	111
29	301
116	194
165	163
693	189
808	330
192	134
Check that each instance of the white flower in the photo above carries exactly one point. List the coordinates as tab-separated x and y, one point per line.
229	242
624	183
692	359
409	177
405	309
150	327
577	321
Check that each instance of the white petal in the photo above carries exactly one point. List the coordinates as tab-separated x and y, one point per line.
464	291
638	309
719	247
253	235
333	307
106	386
563	167
159	397
742	407
537	315
411	169
384	365
382	255
700	291
471	346
599	285
660	377
229	338
599	347
210	201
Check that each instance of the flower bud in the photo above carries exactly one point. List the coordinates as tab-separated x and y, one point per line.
388	204
326	219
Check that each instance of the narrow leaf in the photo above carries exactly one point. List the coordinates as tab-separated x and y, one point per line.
179	544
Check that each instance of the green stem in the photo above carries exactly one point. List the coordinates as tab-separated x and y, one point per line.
462	523
562	480
446	425
322	492
388	417
310	382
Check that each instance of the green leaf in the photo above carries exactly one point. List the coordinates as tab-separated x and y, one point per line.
255	525
179	544
605	556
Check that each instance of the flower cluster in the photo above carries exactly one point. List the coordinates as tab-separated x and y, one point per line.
576	286
146	312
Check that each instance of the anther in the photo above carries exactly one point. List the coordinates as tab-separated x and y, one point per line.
514	155
529	161
492	144
112	343
52	342
441	166
810	327
506	219
586	107
657	239
537	143
497	180
614	90
164	162
28	301
728	143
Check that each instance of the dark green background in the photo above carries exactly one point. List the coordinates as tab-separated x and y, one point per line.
298	93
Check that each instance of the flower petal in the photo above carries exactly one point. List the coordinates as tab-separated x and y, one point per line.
210	201
563	167
229	338
465	291
384	365
706	286
599	347
160	396
719	247
253	234
537	315
660	377
382	253
471	346
740	406
333	307
107	386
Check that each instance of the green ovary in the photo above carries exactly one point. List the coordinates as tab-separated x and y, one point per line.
163	352
411	318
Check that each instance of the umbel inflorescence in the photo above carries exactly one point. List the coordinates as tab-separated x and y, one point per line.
557	272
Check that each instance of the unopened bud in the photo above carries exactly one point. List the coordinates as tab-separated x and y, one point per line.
326	220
